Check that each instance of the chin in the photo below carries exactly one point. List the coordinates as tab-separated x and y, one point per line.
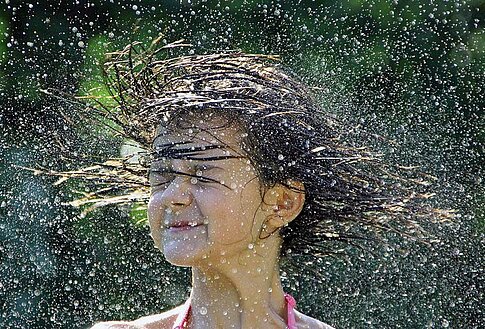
183	260
185	250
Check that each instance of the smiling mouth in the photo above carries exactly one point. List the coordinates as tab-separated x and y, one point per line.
182	226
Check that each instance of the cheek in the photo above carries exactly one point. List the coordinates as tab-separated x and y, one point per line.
155	218
231	214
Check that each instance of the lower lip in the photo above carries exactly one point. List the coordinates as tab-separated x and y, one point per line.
181	228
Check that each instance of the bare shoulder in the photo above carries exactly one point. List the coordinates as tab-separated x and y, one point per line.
306	322
163	320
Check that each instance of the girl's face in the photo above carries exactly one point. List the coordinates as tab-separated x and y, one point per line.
205	196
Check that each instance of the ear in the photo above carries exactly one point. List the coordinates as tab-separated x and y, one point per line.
286	203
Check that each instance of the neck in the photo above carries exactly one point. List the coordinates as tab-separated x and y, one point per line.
242	292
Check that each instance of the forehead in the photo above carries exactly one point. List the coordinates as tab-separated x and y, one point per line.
203	131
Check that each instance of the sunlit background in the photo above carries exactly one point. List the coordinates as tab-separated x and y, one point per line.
408	76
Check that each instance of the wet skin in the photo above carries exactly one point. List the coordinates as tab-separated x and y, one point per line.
203	210
208	210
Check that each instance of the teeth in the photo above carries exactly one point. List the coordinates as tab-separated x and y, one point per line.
168	223
191	224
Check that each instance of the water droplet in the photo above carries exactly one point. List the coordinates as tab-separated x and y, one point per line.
251	246
281	157
193	180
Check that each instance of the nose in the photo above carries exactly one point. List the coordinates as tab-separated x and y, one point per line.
174	198
177	195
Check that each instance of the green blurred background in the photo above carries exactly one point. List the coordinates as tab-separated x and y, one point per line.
411	71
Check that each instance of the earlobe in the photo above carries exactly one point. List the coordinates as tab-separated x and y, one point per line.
275	220
272	225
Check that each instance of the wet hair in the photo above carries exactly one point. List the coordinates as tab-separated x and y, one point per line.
351	193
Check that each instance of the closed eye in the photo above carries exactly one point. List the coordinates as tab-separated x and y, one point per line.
204	179
207	173
160	176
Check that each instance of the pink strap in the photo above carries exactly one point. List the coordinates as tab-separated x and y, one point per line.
290	308
183	316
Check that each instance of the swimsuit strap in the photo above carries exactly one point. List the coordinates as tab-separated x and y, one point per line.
290	308
183	316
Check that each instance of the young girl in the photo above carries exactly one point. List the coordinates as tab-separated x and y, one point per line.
244	168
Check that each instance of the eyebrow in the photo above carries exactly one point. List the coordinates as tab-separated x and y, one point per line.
207	166
190	153
165	165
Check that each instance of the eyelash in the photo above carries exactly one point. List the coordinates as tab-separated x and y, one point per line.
154	175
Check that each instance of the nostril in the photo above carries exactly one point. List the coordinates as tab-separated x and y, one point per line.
182	200
176	196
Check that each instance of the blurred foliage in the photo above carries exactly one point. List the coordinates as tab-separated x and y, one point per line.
406	69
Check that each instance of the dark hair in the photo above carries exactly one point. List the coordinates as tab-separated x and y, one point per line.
351	193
